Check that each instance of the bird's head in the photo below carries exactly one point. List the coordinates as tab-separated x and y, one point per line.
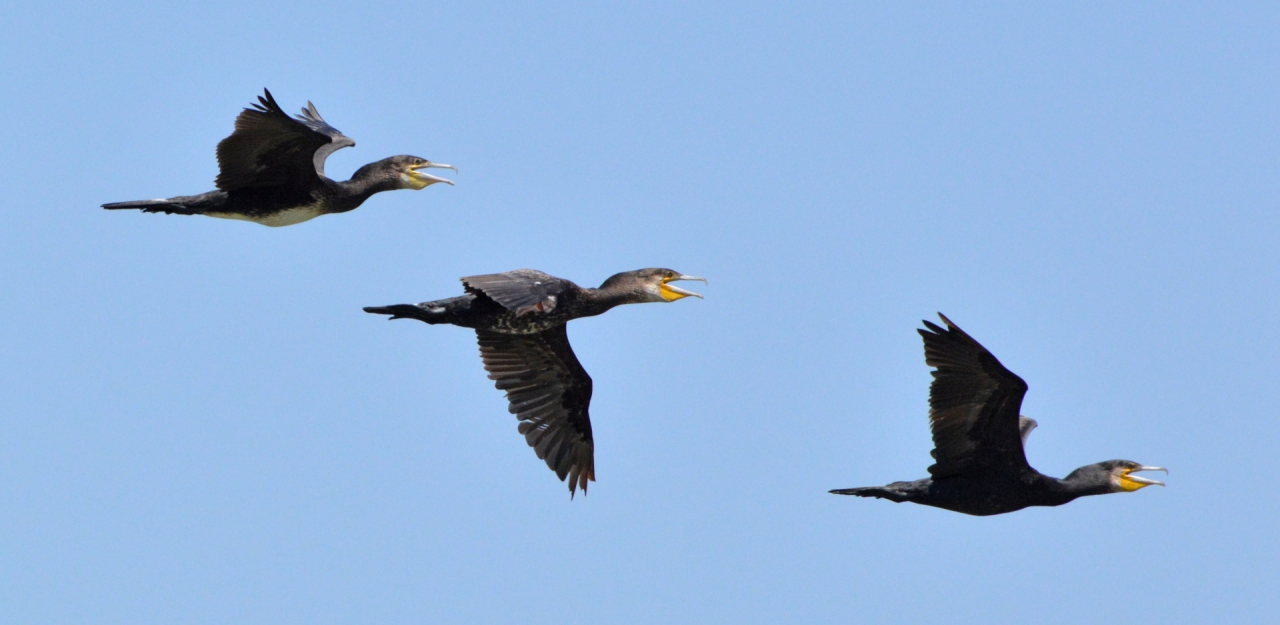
409	171
1115	476
651	285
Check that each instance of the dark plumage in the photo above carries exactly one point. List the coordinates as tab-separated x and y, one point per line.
519	318
978	439
272	172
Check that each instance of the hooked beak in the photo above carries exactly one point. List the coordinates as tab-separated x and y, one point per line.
428	179
1131	482
672	293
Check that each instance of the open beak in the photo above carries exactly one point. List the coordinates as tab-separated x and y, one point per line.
1131	482
672	293
423	176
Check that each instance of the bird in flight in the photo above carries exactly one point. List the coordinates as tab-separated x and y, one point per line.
980	467
271	172
519	318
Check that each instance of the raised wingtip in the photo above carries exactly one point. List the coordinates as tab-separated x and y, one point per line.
268	101
932	328
310	112
936	329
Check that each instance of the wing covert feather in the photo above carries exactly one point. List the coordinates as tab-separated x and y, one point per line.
522	291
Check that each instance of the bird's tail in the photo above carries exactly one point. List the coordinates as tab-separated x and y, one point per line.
438	311
870	491
398	311
169	207
410	311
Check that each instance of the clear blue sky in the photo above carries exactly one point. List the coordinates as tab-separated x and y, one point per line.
199	425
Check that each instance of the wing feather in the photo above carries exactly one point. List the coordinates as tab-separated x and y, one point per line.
974	405
269	148
550	393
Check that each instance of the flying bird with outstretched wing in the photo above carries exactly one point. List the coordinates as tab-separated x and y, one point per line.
271	172
979	466
519	318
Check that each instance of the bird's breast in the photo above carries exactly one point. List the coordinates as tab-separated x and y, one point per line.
286	217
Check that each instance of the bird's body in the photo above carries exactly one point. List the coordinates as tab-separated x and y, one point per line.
981	467
555	300
980	496
272	172
519	318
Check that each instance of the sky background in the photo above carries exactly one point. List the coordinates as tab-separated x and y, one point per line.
199	425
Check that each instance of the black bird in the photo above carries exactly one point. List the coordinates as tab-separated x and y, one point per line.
978	438
519	318
271	171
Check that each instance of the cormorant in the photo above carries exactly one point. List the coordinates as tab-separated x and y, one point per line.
519	318
978	438
271	171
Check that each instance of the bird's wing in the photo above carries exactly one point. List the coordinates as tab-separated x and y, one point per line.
549	391
973	406
1025	425
521	291
269	148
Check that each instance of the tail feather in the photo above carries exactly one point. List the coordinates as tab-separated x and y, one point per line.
406	311
879	492
168	207
449	310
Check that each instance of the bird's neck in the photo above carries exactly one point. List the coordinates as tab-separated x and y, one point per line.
597	301
1074	486
364	184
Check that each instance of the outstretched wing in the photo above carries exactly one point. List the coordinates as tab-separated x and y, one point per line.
973	406
521	291
549	391
269	148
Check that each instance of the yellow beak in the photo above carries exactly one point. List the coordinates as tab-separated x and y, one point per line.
424	179
1130	482
672	293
